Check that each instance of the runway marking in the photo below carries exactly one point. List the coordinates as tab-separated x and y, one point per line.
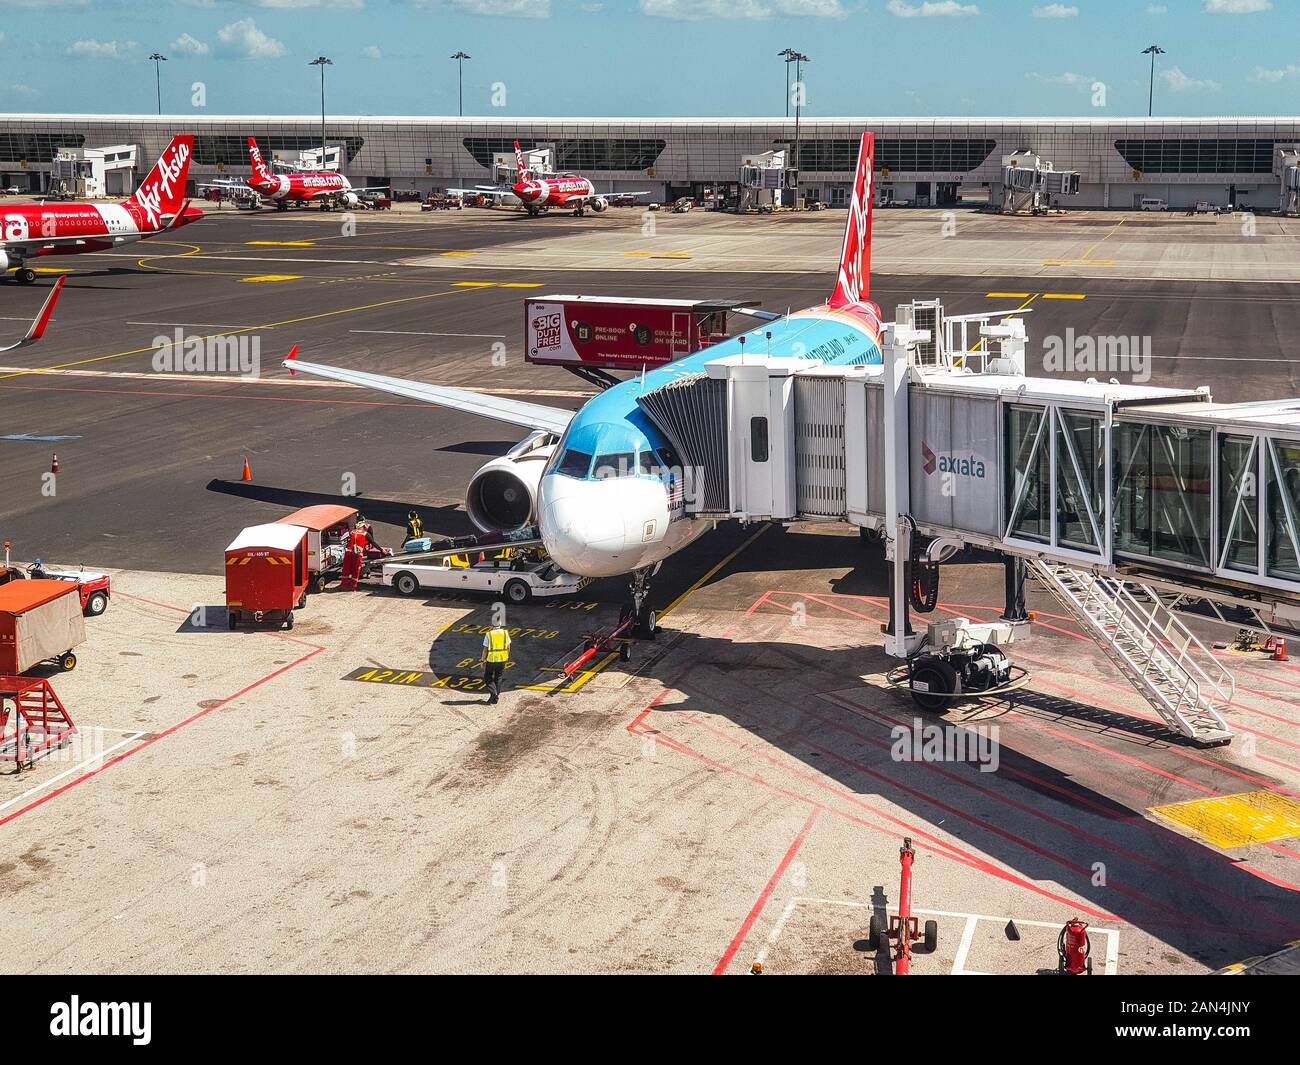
1007	295
457	253
1064	296
699	583
245	329
271	277
521	284
474	284
1228	821
413	333
281	243
187	325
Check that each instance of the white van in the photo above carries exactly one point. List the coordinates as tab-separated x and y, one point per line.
1152	203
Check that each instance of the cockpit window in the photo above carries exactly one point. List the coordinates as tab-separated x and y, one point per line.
574	463
616	464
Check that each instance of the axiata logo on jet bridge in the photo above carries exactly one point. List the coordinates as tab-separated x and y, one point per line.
617	332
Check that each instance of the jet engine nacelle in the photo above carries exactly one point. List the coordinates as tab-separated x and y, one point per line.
349	199
599	204
5	262
502	495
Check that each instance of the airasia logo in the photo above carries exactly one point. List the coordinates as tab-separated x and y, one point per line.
161	188
851	279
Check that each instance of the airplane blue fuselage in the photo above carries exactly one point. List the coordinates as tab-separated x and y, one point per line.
603	502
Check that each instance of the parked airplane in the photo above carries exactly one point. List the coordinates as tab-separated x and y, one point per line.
539	192
158	205
604	483
298	187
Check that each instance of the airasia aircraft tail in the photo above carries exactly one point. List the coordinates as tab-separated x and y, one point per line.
853	283
161	195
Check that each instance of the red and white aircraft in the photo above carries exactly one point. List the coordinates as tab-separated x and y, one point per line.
326	187
159	204
538	192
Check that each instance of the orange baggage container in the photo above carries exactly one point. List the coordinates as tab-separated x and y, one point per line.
325	523
266	574
39	620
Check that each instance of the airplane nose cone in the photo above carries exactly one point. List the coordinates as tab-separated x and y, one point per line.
585	538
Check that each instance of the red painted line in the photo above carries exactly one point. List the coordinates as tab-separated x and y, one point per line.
765	894
173	728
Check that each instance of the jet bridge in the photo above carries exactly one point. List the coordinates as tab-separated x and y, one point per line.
1133	505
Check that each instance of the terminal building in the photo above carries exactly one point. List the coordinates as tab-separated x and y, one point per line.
932	162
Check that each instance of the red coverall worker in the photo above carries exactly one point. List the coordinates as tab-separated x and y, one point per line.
354	549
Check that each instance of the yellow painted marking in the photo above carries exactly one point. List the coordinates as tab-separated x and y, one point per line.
521	284
572	684
1064	296
672	255
474	284
1114	229
271	277
637	253
700	583
282	243
1057	262
1007	295
52	269
236	332
1237	820
1101	262
458	253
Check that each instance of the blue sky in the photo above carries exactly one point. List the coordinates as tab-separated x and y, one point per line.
655	57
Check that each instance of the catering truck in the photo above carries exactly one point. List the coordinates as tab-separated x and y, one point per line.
40	621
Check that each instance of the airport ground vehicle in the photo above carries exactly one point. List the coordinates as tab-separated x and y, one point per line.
92	588
39	621
1154	203
327	526
517	580
266	574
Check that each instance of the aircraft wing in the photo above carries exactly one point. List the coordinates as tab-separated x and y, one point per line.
502	193
607	195
511	411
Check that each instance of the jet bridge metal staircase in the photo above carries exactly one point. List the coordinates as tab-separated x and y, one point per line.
1154	651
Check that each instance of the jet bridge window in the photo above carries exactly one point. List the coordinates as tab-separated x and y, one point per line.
758	439
1080	480
1283	530
1239	503
1162	492
1029	484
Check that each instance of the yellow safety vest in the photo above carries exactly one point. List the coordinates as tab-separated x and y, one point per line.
498	641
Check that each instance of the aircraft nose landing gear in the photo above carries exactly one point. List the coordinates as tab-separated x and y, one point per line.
646	620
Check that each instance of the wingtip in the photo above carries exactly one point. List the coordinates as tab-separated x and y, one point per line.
293	354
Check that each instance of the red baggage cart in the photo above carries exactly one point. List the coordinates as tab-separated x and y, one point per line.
39	621
327	525
266	573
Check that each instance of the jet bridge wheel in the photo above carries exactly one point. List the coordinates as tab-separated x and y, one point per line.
933	683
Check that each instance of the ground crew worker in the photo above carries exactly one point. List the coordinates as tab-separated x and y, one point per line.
354	550
414	526
495	655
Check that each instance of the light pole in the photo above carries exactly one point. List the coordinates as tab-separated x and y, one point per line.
799	60
322	62
158	60
1153	51
460	58
787	54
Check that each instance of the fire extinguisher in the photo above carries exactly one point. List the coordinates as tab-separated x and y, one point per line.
1074	949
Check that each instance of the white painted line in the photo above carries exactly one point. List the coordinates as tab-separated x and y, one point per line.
75	769
190	325
775	934
963	949
410	333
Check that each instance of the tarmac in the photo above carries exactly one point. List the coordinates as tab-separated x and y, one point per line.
341	798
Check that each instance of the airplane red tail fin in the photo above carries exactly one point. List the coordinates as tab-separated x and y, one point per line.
853	285
255	158
162	192
519	162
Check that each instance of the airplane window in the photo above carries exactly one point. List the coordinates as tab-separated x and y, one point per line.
574	464
617	464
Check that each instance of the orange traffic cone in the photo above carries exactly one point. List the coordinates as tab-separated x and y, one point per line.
1279	650
247	475
54	463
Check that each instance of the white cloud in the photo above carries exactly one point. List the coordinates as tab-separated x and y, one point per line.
1056	11
1276	75
23	90
188	45
243	40
295	5
929	9
371	51
1237	7
697	10
1081	82
91	49
1177	81
505	8
1157	9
